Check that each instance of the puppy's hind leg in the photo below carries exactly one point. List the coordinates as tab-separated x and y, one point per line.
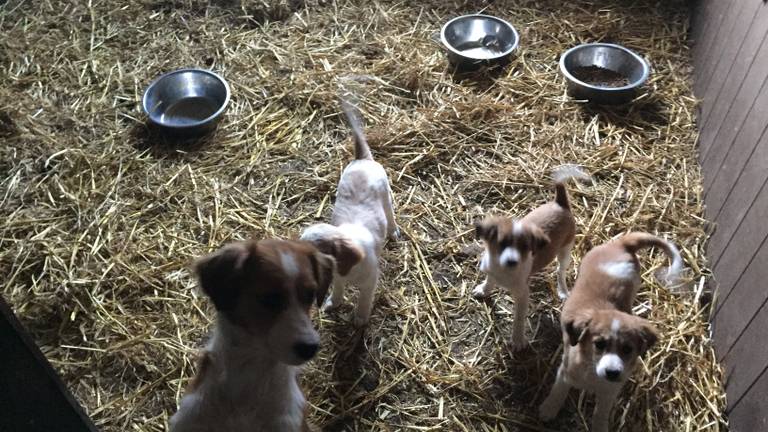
563	262
554	402
393	231
365	300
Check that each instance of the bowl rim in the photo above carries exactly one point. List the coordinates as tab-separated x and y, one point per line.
450	47
637	83
198	123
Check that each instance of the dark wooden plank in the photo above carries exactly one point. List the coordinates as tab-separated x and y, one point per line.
736	56
726	119
748	358
712	37
743	303
747	237
703	12
746	139
750	413
740	163
33	398
727	39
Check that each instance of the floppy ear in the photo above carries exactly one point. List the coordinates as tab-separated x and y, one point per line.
539	240
648	336
346	252
219	274
576	328
486	230
322	267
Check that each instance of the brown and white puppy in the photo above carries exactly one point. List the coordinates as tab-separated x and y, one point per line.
362	219
602	338
247	377
516	249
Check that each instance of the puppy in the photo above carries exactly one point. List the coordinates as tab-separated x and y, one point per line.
247	375
362	219
514	249
602	338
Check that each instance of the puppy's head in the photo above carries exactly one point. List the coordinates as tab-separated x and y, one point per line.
267	288
331	240
509	243
610	341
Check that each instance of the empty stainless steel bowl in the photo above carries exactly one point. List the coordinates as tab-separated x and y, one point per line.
475	40
186	101
603	73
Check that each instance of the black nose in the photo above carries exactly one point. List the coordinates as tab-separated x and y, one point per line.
612	375
511	263
305	351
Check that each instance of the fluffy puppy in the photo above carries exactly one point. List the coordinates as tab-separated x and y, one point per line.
516	249
247	375
602	338
362	218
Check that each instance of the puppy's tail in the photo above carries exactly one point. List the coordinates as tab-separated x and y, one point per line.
362	151
670	276
560	176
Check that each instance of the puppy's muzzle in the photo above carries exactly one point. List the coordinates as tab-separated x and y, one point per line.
305	351
511	263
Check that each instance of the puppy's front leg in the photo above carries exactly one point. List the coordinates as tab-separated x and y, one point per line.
601	419
484	289
522	297
336	298
554	402
563	262
365	300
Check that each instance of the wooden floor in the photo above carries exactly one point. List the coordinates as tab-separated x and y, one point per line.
730	50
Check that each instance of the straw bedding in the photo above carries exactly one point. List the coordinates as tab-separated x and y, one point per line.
101	218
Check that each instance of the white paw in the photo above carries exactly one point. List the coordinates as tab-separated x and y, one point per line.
395	235
479	291
548	410
330	304
563	295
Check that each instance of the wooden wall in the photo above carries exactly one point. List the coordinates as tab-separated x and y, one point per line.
730	52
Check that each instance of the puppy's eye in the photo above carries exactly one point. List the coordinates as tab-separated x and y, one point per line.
600	344
626	349
273	301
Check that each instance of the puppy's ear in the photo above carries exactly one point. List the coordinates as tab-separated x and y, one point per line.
648	336
486	230
539	240
576	328
345	251
219	274
322	267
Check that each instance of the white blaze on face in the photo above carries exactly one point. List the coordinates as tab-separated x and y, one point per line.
509	254
609	362
290	267
619	269
615	325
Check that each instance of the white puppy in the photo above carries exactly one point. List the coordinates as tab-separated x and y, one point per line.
516	249
362	219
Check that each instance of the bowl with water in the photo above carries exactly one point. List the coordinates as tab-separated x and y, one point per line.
186	101
477	40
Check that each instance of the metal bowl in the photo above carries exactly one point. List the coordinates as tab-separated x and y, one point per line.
476	40
187	101
613	59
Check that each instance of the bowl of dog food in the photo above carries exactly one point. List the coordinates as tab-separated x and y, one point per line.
475	40
603	73
186	101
